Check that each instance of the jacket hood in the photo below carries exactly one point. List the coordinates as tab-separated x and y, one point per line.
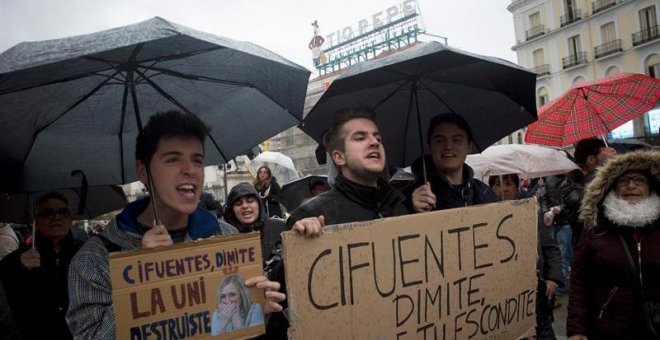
645	161
241	190
125	231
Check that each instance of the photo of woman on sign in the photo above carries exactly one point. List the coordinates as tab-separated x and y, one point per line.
235	307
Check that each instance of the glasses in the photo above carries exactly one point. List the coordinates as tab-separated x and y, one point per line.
637	179
52	213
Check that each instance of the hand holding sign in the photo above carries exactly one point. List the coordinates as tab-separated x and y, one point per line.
310	227
273	296
156	237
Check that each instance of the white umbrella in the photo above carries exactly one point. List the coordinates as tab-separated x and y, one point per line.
280	165
525	160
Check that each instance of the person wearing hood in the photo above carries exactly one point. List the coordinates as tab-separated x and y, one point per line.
619	248
451	182
246	211
171	145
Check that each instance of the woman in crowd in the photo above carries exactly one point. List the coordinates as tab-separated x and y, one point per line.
235	307
620	210
268	188
247	212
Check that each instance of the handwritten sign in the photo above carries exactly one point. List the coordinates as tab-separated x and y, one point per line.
467	273
192	290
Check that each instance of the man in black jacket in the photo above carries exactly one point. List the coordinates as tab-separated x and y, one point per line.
451	182
359	194
35	278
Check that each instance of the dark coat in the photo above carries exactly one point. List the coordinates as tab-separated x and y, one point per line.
351	202
447	196
553	197
39	298
269	195
603	302
269	228
345	202
548	263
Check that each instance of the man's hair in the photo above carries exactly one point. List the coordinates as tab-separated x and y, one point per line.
448	118
52	195
587	147
167	124
334	137
492	180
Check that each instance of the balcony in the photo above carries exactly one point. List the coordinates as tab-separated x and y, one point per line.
574	60
571	17
541	70
646	35
601	5
608	48
534	32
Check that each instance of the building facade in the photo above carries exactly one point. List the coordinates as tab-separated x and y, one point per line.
568	41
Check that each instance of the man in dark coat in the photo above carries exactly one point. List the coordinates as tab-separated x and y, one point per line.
358	194
35	279
246	211
451	182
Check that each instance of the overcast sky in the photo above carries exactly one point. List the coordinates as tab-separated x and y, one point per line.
284	27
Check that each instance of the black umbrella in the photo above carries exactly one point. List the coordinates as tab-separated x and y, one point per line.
295	193
80	101
406	89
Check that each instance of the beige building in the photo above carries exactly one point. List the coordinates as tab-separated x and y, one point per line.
566	41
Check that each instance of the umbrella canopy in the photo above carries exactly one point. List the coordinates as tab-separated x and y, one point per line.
295	193
628	144
407	88
281	166
82	100
594	108
18	208
525	160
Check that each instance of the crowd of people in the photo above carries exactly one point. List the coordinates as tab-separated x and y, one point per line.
598	233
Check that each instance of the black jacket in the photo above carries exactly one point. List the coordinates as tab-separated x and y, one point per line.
39	298
269	228
472	192
345	202
548	263
351	202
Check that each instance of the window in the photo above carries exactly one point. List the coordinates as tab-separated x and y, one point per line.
574	45
647	18
607	33
612	70
539	59
542	96
624	131
570	7
535	20
652	121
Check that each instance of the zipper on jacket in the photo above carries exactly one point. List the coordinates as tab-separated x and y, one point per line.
607	302
639	259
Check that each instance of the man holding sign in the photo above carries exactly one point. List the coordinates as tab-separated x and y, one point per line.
172	146
359	194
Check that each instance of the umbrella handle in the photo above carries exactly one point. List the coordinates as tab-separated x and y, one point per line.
83	191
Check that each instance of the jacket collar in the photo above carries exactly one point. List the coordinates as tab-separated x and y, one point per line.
200	223
368	197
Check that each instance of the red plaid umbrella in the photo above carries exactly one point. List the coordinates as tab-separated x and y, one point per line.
593	108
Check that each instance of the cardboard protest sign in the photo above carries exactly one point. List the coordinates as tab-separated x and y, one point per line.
192	290
467	273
